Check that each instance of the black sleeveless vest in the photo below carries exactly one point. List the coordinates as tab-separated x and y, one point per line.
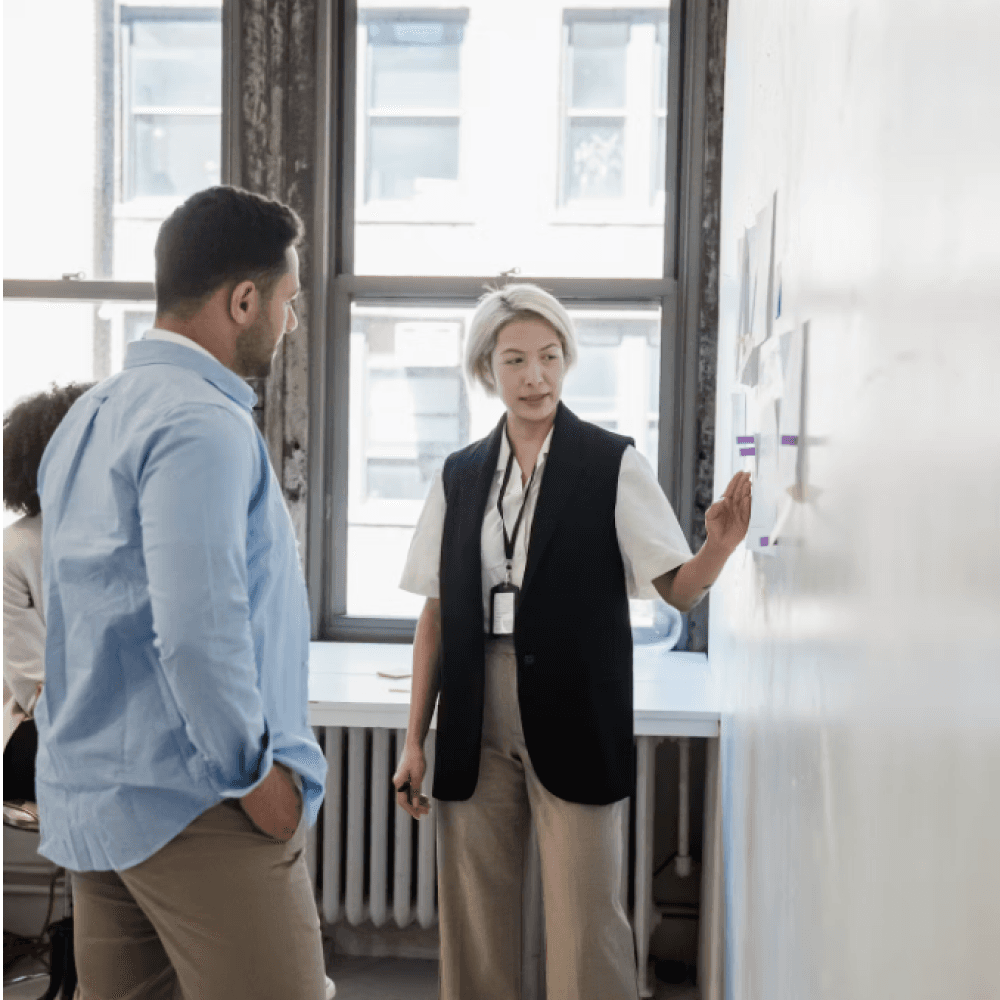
572	631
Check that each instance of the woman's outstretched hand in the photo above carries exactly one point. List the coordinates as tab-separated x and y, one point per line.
728	519
412	765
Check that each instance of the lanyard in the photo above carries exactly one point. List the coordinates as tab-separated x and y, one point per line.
508	543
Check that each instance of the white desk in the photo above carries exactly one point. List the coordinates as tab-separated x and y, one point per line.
671	699
671	689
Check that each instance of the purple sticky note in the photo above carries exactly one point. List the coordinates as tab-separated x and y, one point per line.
789	439
748	451
763	542
745	440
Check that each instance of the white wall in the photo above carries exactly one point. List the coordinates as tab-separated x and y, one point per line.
859	670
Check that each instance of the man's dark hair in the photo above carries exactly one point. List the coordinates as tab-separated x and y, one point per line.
221	236
27	428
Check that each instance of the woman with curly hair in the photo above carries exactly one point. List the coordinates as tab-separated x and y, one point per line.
27	428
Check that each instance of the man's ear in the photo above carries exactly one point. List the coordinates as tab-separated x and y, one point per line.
243	303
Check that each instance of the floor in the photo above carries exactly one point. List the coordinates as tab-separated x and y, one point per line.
412	979
362	979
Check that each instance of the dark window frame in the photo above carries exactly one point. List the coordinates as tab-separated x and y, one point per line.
676	294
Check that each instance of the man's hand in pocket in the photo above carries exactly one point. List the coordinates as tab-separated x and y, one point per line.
274	805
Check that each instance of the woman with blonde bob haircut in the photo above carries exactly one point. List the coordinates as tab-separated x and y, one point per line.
530	544
497	309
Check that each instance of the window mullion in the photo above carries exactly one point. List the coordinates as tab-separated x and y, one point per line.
78	290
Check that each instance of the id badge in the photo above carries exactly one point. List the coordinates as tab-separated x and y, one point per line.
502	600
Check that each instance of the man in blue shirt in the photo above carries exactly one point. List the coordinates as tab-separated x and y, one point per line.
177	771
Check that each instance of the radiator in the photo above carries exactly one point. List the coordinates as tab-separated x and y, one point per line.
374	867
366	834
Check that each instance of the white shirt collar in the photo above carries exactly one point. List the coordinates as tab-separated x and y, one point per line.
505	450
176	338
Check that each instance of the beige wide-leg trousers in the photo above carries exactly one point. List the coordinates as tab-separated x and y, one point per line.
482	844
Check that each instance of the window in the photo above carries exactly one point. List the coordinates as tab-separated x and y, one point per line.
410	407
486	141
484	145
595	115
170	80
409	65
117	120
614	129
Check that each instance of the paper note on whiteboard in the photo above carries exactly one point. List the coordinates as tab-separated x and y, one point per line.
770	377
791	429
739	433
744	339
760	242
764	503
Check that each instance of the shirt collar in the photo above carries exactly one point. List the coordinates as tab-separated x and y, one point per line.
176	338
161	350
505	450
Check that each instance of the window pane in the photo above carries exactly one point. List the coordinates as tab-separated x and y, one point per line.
59	342
414	77
596	161
411	156
410	408
117	118
394	480
174	154
598	58
174	63
591	388
487	142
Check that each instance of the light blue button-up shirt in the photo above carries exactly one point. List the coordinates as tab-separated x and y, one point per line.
176	663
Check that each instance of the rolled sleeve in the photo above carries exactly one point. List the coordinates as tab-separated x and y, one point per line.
649	534
421	574
195	492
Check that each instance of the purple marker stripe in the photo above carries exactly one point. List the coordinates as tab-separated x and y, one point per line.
789	439
745	440
763	541
748	451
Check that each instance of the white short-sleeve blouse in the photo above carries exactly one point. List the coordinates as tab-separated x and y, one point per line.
649	535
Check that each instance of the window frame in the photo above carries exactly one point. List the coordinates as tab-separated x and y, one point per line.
117	295
675	293
112	203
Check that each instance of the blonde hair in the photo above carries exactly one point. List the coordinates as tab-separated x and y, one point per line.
502	306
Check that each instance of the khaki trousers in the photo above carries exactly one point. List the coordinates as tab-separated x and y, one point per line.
222	912
482	844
